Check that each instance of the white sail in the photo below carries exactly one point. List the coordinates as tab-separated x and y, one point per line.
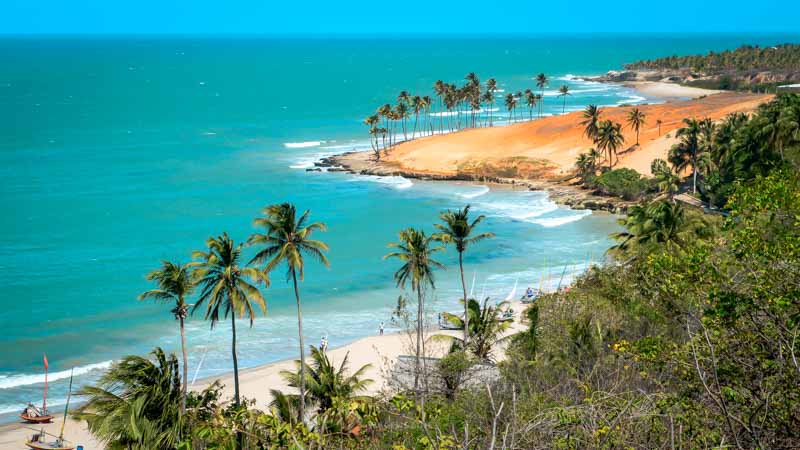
513	293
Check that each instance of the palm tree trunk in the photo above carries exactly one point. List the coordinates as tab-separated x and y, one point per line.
185	366
419	339
466	302
302	350
416	119
235	361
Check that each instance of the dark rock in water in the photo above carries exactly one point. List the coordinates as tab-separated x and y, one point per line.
337	169
313	169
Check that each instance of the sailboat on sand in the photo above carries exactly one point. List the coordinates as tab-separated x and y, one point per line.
31	413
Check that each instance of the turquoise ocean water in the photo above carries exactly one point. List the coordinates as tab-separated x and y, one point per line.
118	152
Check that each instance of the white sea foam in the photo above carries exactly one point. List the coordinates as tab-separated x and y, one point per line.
551	222
396	182
482	190
303	144
11	381
444	113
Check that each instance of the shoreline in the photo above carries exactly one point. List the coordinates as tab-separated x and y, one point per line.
255	382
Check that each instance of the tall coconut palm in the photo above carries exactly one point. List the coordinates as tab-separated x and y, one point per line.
286	240
416	106
226	289
530	100
457	229
636	118
385	111
415	250
401	113
491	88
136	404
609	139
426	106
371	122
541	82
488	97
685	152
175	283
563	92
658	123
439	89
591	117
511	104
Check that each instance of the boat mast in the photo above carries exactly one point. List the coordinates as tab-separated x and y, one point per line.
44	399
66	408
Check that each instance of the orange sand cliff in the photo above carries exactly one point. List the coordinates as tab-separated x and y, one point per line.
547	148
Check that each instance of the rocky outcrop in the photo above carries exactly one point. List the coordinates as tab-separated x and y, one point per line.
361	163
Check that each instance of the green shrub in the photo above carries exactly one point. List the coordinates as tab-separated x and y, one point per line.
625	183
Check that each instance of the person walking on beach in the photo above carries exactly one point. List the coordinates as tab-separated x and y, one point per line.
382	325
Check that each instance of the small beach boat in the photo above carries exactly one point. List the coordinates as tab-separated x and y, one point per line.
38	441
31	413
506	316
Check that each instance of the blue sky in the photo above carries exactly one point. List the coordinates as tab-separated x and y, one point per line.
406	16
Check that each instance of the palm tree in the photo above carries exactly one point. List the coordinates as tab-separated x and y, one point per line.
426	105
586	163
662	222
636	118
371	122
488	97
491	88
401	114
136	403
287	239
385	111
541	82
174	283
457	229
658	123
563	91
439	89
324	382
485	328
415	251
667	180
591	117
609	139
684	153
225	289
511	104
416	106
530	100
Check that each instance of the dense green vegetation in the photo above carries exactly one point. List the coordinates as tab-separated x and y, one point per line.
688	337
744	58
747	68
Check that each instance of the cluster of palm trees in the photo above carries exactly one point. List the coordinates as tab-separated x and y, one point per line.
415	249
229	287
607	138
467	106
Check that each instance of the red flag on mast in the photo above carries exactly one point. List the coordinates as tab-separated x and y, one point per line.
45	362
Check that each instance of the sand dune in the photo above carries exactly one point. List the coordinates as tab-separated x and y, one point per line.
547	148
